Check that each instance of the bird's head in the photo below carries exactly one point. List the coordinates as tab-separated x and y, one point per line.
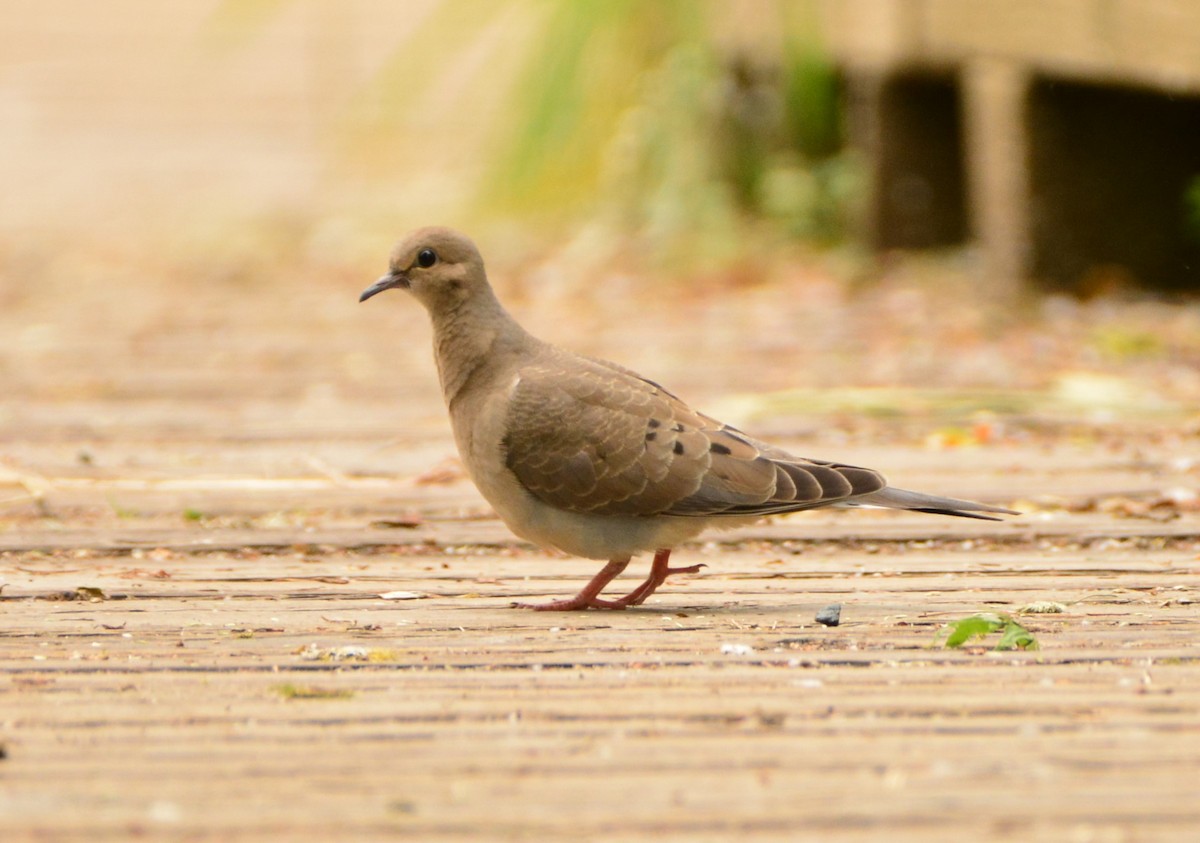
439	266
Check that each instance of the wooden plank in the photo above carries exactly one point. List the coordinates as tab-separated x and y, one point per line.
722	708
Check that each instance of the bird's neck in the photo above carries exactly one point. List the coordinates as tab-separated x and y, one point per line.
478	331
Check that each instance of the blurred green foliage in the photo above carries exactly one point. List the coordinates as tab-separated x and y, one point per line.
811	100
644	122
234	23
1123	343
585	71
634	115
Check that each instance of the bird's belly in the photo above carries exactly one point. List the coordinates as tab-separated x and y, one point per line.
577	533
600	536
580	533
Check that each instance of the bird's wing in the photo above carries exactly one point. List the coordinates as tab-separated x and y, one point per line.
588	436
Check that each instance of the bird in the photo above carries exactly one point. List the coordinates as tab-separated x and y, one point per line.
590	458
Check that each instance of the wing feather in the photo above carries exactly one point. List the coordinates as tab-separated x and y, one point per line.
587	436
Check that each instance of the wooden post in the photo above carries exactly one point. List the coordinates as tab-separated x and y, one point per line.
997	154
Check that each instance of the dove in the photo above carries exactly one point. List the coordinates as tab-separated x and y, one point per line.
592	459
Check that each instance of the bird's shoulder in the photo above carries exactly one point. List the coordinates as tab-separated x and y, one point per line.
568	400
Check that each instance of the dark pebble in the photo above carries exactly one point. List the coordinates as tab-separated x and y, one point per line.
831	615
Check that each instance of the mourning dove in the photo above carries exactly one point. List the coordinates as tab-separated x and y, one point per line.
591	458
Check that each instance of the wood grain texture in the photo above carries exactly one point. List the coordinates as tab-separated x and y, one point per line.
203	700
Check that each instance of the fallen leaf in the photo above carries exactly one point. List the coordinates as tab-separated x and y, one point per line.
1042	607
1013	636
449	470
310	692
408	522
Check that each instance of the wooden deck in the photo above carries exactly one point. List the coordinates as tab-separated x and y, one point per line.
239	677
199	511
214	461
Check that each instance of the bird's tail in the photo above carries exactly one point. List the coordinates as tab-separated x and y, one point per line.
920	502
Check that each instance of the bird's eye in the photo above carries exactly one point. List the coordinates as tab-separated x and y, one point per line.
426	258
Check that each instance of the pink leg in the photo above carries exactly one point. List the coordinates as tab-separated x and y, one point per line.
589	595
659	571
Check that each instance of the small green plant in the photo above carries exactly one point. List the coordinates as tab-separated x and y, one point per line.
309	692
1013	636
1122	343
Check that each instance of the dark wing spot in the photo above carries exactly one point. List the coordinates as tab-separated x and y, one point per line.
678	448
677	427
718	448
651	436
653	423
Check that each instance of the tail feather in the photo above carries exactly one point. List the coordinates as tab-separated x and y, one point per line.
893	498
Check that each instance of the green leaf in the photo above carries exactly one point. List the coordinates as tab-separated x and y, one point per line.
1013	636
1016	637
976	626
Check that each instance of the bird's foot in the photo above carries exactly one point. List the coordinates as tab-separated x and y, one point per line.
575	604
657	578
589	596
